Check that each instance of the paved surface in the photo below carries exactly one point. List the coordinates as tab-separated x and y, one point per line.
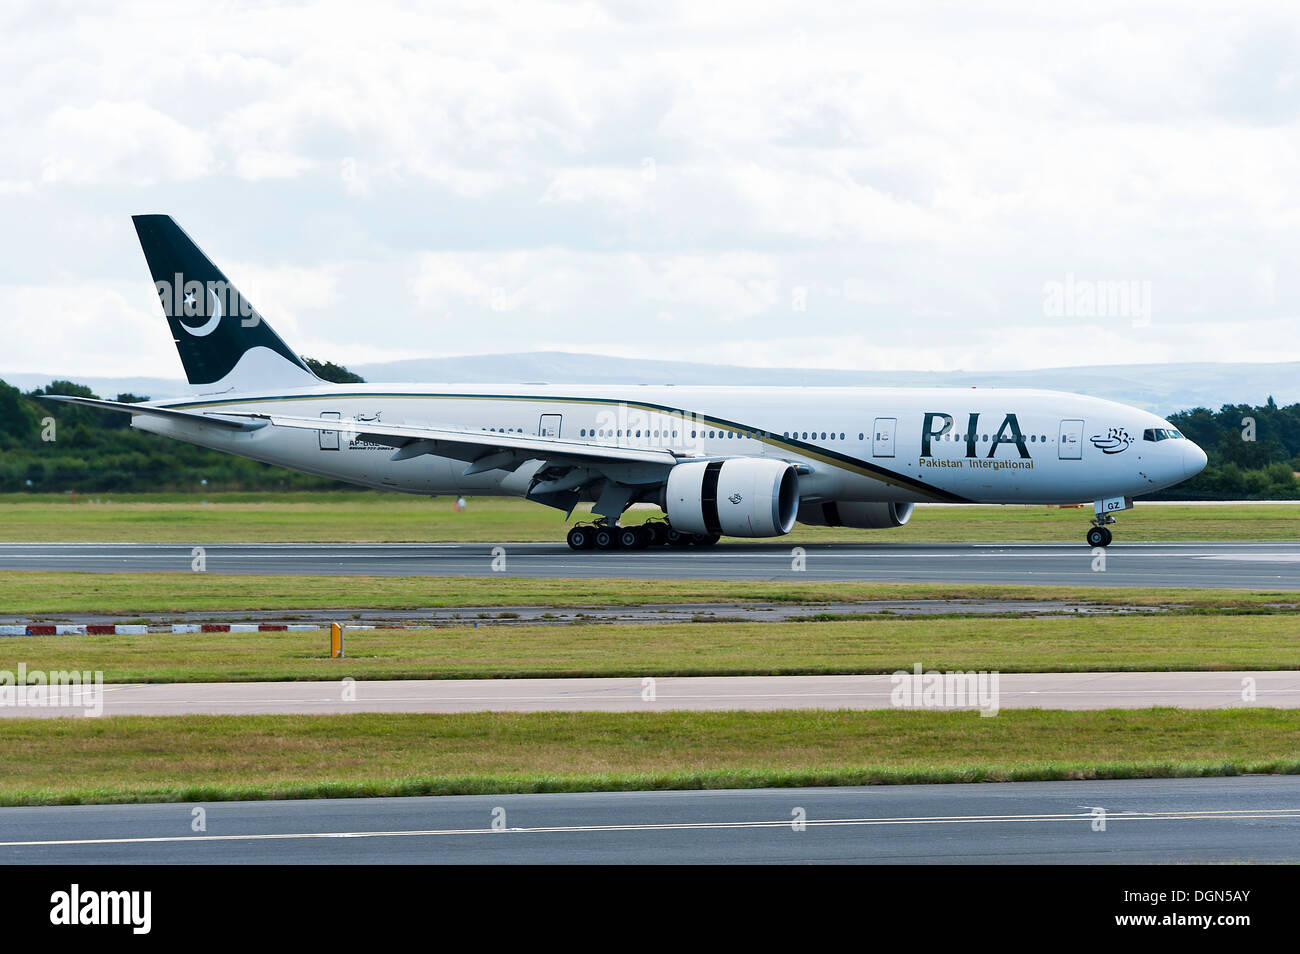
1146	821
1088	690
1245	565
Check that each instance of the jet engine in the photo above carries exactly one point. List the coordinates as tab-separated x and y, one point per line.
737	497
864	516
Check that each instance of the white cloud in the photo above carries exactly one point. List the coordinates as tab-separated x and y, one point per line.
504	177
86	329
118	142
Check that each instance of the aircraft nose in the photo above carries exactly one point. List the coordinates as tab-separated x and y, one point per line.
1194	459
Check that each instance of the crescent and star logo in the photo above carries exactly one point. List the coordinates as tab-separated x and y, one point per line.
208	326
1115	441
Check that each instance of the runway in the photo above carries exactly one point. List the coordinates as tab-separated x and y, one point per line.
1072	691
1245	565
1101	822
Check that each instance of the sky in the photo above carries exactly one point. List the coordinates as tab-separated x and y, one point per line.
878	186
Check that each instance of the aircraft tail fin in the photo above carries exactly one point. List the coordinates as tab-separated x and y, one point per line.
223	342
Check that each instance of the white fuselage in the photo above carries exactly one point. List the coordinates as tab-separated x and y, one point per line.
972	445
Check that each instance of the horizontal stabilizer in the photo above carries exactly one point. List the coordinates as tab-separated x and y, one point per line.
243	424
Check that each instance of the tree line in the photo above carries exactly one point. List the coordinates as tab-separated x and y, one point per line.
1254	451
53	447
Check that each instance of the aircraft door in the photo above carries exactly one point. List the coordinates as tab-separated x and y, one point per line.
549	426
882	437
1069	445
329	440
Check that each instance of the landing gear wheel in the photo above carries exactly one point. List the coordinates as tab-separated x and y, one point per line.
606	538
631	538
1099	537
675	538
705	539
581	538
658	532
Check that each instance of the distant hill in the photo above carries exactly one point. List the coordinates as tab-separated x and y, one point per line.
1163	388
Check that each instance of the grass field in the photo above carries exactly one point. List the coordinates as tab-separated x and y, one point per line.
376	517
39	592
1180	642
204	758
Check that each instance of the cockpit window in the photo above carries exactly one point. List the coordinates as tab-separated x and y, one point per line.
1161	434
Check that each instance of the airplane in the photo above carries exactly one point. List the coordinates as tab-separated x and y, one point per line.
718	461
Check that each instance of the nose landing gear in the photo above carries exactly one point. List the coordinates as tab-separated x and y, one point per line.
1104	510
1099	535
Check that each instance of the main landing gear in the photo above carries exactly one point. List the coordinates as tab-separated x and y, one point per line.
605	536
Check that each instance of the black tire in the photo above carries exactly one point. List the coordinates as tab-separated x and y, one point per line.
1098	537
630	538
1106	530
675	538
605	538
658	533
705	539
581	538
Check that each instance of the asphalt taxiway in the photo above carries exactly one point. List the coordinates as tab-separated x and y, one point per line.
1242	819
1247	565
1070	691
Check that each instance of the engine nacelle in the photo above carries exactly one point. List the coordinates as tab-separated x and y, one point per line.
864	516
738	497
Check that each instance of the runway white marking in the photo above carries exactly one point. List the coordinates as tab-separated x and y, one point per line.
1215	815
1253	557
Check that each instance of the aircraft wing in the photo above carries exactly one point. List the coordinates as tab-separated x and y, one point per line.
484	450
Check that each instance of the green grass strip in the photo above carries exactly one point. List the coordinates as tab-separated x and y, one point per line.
379	517
40	592
210	758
